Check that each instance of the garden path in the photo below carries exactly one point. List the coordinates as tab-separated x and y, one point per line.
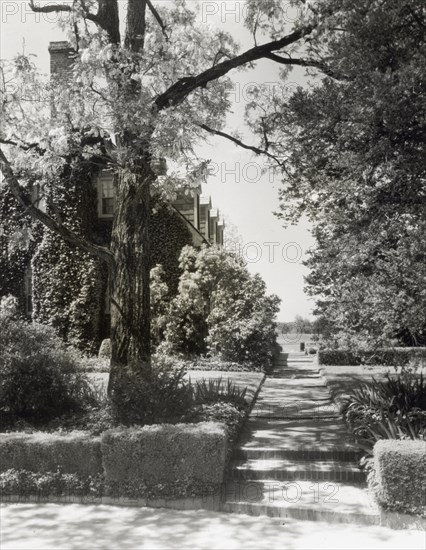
296	458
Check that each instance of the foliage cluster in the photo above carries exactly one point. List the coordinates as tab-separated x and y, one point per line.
220	309
215	363
397	476
165	394
355	166
150	397
40	378
17	241
401	357
49	484
391	409
214	391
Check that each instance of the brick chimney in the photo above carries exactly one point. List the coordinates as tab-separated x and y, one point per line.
61	60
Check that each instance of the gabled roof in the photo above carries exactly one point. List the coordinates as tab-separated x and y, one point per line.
191	226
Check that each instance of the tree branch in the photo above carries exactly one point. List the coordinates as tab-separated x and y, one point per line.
238	142
106	18
157	17
24	146
303	63
50	8
55	226
183	87
87	15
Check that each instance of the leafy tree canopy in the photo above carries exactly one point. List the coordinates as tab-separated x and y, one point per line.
356	166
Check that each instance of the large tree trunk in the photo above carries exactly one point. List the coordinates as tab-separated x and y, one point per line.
130	280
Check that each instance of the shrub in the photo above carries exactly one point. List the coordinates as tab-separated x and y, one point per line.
183	458
215	363
393	409
39	377
399	475
221	309
386	357
161	395
95	364
228	414
233	336
48	484
214	391
241	323
74	452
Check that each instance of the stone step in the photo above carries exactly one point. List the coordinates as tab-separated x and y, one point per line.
292	394
290	470
264	432
279	384
299	499
295	457
299	364
300	367
293	375
297	409
294	361
314	416
323	452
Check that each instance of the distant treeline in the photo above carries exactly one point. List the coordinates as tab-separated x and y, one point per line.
303	325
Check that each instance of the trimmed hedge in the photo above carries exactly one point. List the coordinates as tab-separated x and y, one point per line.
386	357
167	461
399	475
73	453
181	459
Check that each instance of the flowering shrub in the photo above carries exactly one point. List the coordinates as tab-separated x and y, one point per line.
241	327
221	309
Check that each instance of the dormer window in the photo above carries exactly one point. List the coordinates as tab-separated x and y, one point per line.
105	185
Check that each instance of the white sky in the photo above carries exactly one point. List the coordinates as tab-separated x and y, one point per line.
243	196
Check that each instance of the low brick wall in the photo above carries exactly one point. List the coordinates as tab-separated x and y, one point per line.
74	452
399	475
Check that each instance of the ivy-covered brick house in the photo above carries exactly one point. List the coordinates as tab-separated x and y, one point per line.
60	285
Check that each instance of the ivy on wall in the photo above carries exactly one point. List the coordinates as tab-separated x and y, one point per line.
68	290
69	286
169	234
18	238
